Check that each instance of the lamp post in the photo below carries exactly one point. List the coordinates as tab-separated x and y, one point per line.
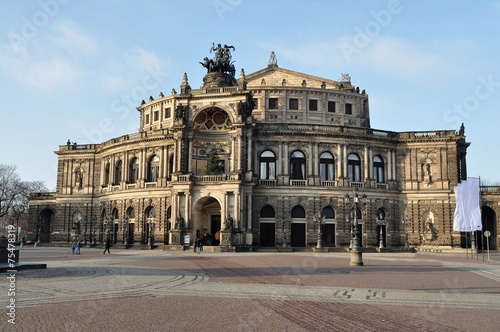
125	232
38	238
94	222
381	224
85	232
320	219
356	250
285	243
405	225
107	222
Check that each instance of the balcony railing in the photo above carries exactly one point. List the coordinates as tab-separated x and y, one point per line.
381	185
267	182
329	183
357	184
490	189
298	182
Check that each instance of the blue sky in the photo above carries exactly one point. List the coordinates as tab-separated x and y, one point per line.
77	69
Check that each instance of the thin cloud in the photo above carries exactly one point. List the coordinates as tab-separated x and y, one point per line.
48	61
130	68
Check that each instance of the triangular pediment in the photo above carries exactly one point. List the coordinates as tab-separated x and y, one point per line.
276	76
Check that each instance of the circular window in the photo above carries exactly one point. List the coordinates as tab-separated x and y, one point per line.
219	118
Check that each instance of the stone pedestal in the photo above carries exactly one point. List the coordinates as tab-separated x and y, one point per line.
356	257
248	238
217	79
225	238
176	237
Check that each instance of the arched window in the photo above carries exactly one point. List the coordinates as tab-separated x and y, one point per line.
106	174
267	212
134	170
326	167
378	169
380	214
298	212
153	168
328	213
267	165
130	213
115	213
118	172
150	212
297	165
354	168
359	214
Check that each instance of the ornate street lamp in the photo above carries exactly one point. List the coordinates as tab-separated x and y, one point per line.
125	232
381	224
85	232
320	220
356	250
285	243
107	223
406	225
94	222
40	222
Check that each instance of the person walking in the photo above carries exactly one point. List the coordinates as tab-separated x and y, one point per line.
73	248
108	245
200	244
78	246
195	245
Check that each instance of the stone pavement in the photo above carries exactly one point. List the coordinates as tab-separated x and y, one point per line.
302	291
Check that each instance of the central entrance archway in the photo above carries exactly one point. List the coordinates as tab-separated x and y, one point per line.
207	219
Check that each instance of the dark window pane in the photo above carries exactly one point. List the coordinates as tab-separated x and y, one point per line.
348	108
331	106
273	103
313	105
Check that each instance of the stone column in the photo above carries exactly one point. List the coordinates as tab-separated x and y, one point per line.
344	160
233	154
367	164
249	233
249	155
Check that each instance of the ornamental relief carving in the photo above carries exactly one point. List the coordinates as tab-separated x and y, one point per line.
356	148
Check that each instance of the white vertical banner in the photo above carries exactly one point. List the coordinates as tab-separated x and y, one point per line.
467	216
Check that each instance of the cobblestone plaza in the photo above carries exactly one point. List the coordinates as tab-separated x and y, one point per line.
299	291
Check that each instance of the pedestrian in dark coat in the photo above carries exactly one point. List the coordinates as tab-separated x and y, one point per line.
108	245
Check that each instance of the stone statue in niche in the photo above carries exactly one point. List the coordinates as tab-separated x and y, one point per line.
179	223
228	224
79	178
245	108
427	171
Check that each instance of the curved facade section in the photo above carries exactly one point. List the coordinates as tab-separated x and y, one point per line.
270	160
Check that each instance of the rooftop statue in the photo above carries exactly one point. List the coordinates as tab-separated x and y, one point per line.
221	63
272	59
345	77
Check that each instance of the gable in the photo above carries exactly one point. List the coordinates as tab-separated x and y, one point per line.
275	76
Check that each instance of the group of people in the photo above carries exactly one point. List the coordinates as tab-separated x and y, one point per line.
76	247
206	239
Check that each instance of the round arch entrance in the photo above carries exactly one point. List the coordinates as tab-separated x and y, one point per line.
489	221
207	219
43	231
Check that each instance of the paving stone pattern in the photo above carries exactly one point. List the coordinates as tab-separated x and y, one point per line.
183	291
